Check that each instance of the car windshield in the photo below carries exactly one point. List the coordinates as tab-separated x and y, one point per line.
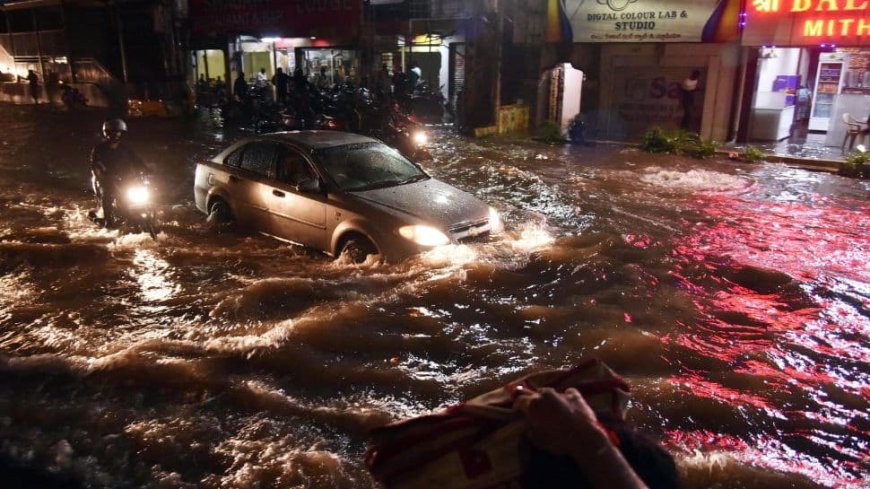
368	166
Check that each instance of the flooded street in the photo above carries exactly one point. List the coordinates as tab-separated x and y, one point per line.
734	299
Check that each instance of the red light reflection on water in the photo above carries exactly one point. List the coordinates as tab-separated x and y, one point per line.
799	340
765	451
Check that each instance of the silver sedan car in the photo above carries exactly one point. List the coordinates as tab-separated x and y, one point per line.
338	193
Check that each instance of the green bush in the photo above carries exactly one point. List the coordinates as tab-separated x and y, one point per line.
702	149
550	132
656	141
857	164
752	154
677	142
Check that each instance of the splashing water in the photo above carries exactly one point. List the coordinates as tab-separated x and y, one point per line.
733	299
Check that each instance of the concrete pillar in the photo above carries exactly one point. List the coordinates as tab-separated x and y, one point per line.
481	76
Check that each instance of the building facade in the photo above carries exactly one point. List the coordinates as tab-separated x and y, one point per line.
635	55
109	50
799	48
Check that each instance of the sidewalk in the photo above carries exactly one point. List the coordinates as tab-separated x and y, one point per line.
805	150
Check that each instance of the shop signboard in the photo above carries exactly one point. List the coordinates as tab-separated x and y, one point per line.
609	21
276	18
806	22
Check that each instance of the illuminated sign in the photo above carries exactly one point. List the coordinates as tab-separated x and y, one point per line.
642	20
801	22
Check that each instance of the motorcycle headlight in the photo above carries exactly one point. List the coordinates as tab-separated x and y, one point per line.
424	235
421	138
495	224
138	195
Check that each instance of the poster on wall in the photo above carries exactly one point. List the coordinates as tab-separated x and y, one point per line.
646	97
642	20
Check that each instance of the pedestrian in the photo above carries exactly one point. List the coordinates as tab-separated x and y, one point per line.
687	98
415	74
262	81
400	85
33	81
323	81
220	91
803	99
281	82
384	84
240	88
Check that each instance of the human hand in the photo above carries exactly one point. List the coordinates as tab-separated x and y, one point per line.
562	424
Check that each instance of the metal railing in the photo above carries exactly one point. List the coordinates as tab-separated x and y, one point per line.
89	70
45	43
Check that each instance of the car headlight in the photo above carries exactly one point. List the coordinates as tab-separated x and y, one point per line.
421	138
495	224
138	195
424	235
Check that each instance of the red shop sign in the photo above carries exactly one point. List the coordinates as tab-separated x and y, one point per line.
276	18
803	22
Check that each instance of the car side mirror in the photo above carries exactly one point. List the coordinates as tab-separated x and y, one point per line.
310	186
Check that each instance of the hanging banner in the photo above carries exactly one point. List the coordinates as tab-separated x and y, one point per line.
642	20
807	22
276	18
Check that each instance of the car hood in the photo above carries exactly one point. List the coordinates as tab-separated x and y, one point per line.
431	200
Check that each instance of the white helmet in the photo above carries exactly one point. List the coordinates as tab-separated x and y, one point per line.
112	126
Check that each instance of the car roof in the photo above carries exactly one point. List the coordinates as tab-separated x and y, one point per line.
317	139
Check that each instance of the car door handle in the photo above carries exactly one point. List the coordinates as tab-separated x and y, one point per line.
234	178
278	193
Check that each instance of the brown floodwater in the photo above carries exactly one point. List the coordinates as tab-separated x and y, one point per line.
734	298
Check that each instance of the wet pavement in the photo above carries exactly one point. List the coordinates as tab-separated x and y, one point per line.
734	298
802	147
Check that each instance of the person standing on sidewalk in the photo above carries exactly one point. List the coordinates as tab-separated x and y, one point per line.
687	99
33	81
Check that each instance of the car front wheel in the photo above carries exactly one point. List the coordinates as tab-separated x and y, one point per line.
219	212
358	249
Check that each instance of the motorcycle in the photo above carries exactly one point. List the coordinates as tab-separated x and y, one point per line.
72	97
427	104
388	123
407	136
133	206
413	142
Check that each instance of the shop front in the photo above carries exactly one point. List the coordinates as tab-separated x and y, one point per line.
807	71
635	55
316	37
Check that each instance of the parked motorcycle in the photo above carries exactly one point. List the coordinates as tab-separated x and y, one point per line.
426	104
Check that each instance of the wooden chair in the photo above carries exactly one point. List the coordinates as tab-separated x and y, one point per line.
853	130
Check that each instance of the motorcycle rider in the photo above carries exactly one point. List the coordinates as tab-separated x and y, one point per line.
111	159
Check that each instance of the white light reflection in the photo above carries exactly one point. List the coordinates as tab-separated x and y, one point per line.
450	255
532	238
152	276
